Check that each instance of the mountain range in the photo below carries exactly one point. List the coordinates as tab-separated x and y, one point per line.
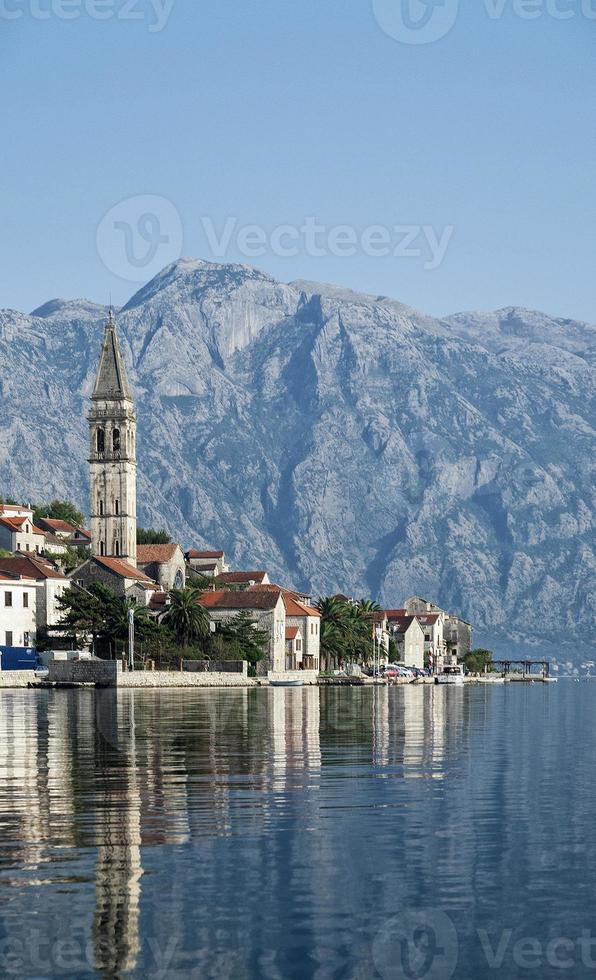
345	442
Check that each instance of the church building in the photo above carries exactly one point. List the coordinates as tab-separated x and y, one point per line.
113	485
113	462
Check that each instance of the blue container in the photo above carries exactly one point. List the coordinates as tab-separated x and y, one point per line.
18	658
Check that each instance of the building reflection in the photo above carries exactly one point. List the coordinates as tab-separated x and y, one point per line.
118	814
115	775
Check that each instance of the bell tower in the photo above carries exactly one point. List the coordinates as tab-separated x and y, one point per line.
112	460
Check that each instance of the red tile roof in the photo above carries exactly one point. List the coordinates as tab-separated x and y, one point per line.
29	567
159	554
239	600
204	554
16	524
292	632
395	613
54	525
403	623
239	578
293	604
427	619
123	569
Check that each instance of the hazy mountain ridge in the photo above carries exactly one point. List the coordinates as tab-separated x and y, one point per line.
341	440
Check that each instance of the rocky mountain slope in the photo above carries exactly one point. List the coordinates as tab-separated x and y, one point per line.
345	442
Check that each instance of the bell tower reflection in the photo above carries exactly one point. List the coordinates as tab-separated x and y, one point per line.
118	838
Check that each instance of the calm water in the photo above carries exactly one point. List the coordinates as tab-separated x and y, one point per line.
418	832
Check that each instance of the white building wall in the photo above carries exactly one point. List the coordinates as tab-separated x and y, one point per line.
17	613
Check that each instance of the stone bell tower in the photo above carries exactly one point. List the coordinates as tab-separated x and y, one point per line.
113	463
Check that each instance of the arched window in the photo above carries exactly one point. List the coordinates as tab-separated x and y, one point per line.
116	440
101	441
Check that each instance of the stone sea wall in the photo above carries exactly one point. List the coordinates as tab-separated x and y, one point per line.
17	678
159	678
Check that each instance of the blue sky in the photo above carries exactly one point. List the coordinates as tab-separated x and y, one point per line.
478	146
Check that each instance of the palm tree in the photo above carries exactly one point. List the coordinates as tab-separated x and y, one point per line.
185	617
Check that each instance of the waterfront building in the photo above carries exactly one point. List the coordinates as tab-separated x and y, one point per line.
265	607
408	637
17	611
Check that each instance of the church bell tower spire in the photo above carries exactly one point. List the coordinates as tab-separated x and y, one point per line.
112	460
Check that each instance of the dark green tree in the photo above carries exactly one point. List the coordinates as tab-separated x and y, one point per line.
151	536
243	639
477	661
187	620
60	510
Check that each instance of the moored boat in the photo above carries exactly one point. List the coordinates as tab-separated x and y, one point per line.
451	675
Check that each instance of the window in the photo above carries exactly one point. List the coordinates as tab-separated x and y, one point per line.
102	549
116	507
101	508
116	547
298	643
8	639
8	598
116	440
25	600
25	639
101	441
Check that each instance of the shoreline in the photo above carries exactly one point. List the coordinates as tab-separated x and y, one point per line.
161	680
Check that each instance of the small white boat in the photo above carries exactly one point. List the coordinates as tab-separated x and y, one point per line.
286	683
451	675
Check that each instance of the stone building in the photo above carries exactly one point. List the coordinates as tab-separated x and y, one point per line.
408	636
265	607
112	430
208	563
164	563
118	575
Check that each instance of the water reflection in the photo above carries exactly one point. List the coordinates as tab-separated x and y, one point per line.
275	832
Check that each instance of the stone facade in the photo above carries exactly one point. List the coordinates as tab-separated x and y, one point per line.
103	672
112	431
164	563
118	575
